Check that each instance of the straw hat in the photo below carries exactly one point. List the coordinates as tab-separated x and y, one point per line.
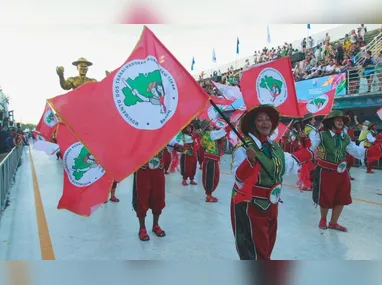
335	114
82	60
248	117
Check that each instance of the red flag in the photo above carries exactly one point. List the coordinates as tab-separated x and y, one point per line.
48	123
235	116
321	105
209	112
279	132
379	113
271	83
133	113
38	136
86	184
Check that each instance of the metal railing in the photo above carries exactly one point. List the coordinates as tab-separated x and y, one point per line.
364	80
8	168
375	46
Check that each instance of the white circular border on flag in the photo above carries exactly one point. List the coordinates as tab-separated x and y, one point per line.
149	113
92	172
53	122
268	95
312	108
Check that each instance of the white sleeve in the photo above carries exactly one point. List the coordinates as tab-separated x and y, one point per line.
218	134
356	151
291	164
315	139
370	138
293	137
238	156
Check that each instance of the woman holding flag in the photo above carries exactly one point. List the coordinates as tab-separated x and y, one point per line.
258	167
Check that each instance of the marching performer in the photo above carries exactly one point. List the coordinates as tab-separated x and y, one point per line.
211	170
362	136
294	143
167	158
369	141
188	159
258	170
350	160
332	187
149	193
310	124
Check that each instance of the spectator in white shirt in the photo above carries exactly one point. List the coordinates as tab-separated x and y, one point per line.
331	68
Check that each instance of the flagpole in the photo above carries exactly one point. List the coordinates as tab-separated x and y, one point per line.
240	137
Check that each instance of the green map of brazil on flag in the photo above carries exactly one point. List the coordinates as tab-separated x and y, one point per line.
271	83
133	113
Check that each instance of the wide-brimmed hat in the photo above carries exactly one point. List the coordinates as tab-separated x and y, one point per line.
335	114
248	117
82	60
371	125
308	116
190	125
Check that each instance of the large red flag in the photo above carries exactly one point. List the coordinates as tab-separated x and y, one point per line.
271	83
133	113
86	184
279	132
321	105
48	123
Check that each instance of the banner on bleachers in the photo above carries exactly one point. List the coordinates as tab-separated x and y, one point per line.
312	88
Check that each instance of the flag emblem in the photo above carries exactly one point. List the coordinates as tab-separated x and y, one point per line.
49	118
213	114
317	104
271	87
145	94
80	166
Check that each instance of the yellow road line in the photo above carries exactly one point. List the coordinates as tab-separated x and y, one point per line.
295	187
46	247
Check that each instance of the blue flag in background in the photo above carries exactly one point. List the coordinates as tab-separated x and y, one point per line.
213	55
237	46
192	64
268	35
308	26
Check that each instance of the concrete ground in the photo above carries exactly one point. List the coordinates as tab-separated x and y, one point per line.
195	229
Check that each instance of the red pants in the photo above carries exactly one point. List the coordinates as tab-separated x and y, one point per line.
148	191
331	188
254	230
166	159
188	166
210	175
201	155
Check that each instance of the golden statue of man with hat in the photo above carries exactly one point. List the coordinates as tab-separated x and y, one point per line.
82	65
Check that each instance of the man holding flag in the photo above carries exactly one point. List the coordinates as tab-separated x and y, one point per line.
150	97
149	193
211	171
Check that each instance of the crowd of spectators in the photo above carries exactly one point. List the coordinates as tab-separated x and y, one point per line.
321	59
10	137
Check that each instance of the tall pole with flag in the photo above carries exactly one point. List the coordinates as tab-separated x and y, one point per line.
237	51
192	63
308	27
268	35
213	55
